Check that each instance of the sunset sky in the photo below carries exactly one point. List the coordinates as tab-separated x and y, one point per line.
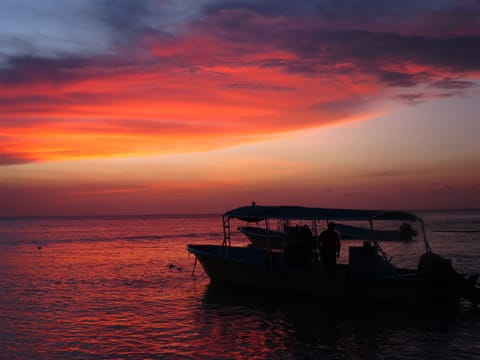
199	106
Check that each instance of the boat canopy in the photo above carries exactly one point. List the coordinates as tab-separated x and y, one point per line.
256	213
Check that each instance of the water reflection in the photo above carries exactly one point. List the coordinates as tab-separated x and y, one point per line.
82	297
283	327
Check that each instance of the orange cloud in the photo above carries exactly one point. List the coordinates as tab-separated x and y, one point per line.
206	88
118	115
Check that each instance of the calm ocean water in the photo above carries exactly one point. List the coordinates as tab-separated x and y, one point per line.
122	287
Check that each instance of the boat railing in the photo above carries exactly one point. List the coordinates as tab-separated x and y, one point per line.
227	240
227	235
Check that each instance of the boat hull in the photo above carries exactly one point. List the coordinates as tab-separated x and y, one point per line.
255	268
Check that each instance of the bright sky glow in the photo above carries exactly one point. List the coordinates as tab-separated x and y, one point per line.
121	107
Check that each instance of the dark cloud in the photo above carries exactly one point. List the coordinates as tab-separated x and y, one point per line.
448	84
418	98
413	99
60	69
422	16
14	159
20	110
393	78
268	8
337	9
316	43
123	15
304	66
319	50
256	87
29	69
370	50
341	33
131	21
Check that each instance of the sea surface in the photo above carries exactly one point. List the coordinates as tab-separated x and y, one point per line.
123	288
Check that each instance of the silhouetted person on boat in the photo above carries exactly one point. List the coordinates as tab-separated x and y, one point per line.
298	251
329	241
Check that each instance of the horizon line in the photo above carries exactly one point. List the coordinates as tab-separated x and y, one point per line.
178	214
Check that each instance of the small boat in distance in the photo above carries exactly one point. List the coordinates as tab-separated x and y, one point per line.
369	274
258	236
261	238
404	233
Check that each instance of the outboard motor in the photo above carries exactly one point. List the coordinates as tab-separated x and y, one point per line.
435	269
439	272
470	289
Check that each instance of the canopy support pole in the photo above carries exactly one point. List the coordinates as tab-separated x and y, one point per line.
269	249
427	245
